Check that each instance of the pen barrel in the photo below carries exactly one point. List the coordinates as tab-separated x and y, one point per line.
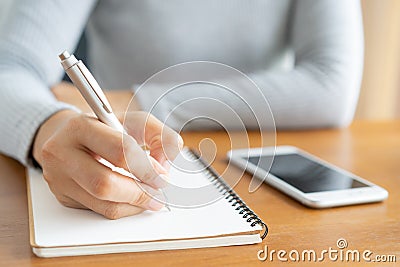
103	111
111	120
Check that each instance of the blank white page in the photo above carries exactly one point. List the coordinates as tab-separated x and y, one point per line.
56	225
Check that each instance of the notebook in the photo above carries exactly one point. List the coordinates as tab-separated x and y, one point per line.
213	217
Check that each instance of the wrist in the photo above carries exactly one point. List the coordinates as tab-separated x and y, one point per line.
48	128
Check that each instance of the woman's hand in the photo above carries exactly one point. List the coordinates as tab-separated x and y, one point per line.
68	146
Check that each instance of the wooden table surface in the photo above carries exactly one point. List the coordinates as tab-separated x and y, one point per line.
369	149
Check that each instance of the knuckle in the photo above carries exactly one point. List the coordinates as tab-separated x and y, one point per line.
77	124
112	211
157	140
102	186
48	150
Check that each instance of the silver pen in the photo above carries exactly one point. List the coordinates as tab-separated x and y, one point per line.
94	96
90	90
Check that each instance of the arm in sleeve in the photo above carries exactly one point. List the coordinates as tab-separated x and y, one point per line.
322	88
32	37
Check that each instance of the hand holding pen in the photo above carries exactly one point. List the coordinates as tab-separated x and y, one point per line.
69	145
94	96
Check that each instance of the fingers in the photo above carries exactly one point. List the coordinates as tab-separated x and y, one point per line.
104	184
164	143
70	203
109	209
70	161
157	166
121	150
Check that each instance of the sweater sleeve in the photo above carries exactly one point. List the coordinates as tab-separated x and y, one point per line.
321	90
34	33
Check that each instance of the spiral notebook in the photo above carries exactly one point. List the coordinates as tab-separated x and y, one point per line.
212	217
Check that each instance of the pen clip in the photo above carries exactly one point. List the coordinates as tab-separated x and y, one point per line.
95	87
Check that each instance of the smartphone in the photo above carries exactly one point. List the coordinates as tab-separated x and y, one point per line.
308	179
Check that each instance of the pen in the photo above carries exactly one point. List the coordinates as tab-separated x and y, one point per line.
94	96
90	90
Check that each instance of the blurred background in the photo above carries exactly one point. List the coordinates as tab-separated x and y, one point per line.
380	90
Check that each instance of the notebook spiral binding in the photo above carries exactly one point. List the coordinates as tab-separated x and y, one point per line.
248	214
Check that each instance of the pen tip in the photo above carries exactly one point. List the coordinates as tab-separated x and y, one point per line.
64	55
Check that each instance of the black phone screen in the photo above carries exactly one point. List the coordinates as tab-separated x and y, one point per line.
305	174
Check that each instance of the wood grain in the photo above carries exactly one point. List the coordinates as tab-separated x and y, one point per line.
369	149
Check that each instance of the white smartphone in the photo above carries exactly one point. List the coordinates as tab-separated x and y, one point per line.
306	178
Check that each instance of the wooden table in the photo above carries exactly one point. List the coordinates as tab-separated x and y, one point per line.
369	149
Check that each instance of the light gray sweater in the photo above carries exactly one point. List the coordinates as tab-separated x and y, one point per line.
131	40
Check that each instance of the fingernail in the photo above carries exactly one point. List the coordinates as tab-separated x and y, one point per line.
161	181
156	203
